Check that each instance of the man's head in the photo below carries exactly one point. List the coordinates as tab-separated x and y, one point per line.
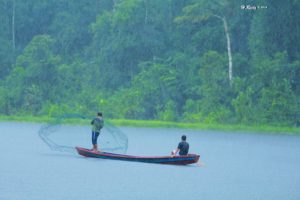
183	138
99	114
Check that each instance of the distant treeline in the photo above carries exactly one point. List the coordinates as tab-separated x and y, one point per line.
209	61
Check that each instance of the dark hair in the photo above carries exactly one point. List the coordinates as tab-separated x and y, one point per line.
99	114
183	137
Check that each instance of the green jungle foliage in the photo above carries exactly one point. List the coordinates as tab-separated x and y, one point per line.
151	59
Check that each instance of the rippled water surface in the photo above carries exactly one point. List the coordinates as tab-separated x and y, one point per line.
239	166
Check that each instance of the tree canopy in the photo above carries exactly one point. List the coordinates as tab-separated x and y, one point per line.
222	61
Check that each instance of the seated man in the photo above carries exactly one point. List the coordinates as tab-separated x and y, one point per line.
183	147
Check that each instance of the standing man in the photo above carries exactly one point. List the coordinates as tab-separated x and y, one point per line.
97	124
183	147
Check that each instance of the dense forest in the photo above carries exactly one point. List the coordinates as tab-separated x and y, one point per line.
208	61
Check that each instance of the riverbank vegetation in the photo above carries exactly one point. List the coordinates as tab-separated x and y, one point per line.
159	124
184	63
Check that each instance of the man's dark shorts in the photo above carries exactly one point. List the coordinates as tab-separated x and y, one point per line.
95	137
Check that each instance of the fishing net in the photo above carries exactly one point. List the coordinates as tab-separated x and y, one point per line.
62	134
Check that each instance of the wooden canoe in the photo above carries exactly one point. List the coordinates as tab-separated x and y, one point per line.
173	160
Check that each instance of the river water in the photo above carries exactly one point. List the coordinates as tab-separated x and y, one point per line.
239	166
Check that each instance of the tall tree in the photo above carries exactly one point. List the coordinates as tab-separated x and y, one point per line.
203	10
13	29
38	62
6	47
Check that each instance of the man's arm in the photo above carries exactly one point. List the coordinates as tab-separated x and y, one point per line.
101	123
174	152
177	150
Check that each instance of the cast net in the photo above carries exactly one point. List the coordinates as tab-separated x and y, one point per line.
64	134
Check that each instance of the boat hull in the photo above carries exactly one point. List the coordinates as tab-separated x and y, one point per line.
172	160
